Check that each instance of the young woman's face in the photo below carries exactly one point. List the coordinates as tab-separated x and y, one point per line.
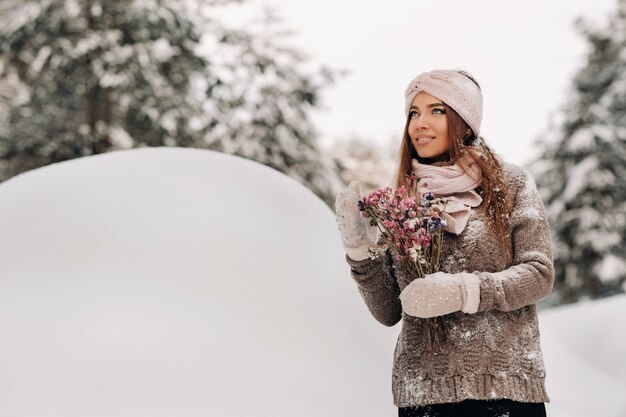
428	127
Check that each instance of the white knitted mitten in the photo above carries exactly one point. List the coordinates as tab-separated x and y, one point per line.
441	293
356	233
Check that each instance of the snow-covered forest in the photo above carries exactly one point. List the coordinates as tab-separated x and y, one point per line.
80	78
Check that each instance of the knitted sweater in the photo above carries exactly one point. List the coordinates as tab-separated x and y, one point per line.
494	353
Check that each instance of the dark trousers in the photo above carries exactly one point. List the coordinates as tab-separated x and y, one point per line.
476	408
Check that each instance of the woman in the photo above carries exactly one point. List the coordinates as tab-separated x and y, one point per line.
496	264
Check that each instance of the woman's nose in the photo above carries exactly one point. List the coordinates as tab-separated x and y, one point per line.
421	122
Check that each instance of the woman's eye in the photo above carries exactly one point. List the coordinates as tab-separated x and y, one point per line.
413	114
439	111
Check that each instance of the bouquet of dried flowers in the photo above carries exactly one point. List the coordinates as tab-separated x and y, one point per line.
412	230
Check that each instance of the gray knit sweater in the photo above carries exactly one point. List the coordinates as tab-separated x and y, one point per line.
494	353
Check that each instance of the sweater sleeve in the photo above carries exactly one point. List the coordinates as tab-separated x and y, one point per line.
378	287
531	275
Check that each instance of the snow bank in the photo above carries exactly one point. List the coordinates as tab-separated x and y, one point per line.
584	347
178	282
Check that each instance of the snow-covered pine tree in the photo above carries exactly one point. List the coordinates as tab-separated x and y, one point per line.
81	77
269	120
91	76
582	173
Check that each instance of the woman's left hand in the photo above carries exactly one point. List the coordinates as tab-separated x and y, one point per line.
441	293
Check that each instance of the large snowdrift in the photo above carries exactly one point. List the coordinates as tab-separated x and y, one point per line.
178	282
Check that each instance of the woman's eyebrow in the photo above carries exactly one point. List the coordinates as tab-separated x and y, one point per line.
430	105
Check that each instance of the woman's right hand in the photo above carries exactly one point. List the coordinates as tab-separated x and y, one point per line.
356	233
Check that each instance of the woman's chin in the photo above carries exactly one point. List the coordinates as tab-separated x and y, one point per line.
434	156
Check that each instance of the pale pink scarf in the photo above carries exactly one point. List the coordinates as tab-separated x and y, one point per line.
452	184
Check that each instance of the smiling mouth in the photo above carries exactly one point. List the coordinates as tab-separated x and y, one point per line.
423	141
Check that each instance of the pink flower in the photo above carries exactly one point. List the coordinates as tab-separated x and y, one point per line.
408	226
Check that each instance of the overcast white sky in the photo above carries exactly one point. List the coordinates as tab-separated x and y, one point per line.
522	53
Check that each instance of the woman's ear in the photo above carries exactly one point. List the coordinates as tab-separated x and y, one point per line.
469	138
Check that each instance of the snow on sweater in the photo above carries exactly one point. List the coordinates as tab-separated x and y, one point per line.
494	353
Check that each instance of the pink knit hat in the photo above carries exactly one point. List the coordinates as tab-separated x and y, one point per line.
454	89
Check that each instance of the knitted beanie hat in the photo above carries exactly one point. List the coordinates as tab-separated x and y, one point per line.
454	89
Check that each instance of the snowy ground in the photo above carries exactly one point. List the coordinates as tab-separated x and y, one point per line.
178	282
584	347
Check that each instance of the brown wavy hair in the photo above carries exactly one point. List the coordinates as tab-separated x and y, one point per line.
466	148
